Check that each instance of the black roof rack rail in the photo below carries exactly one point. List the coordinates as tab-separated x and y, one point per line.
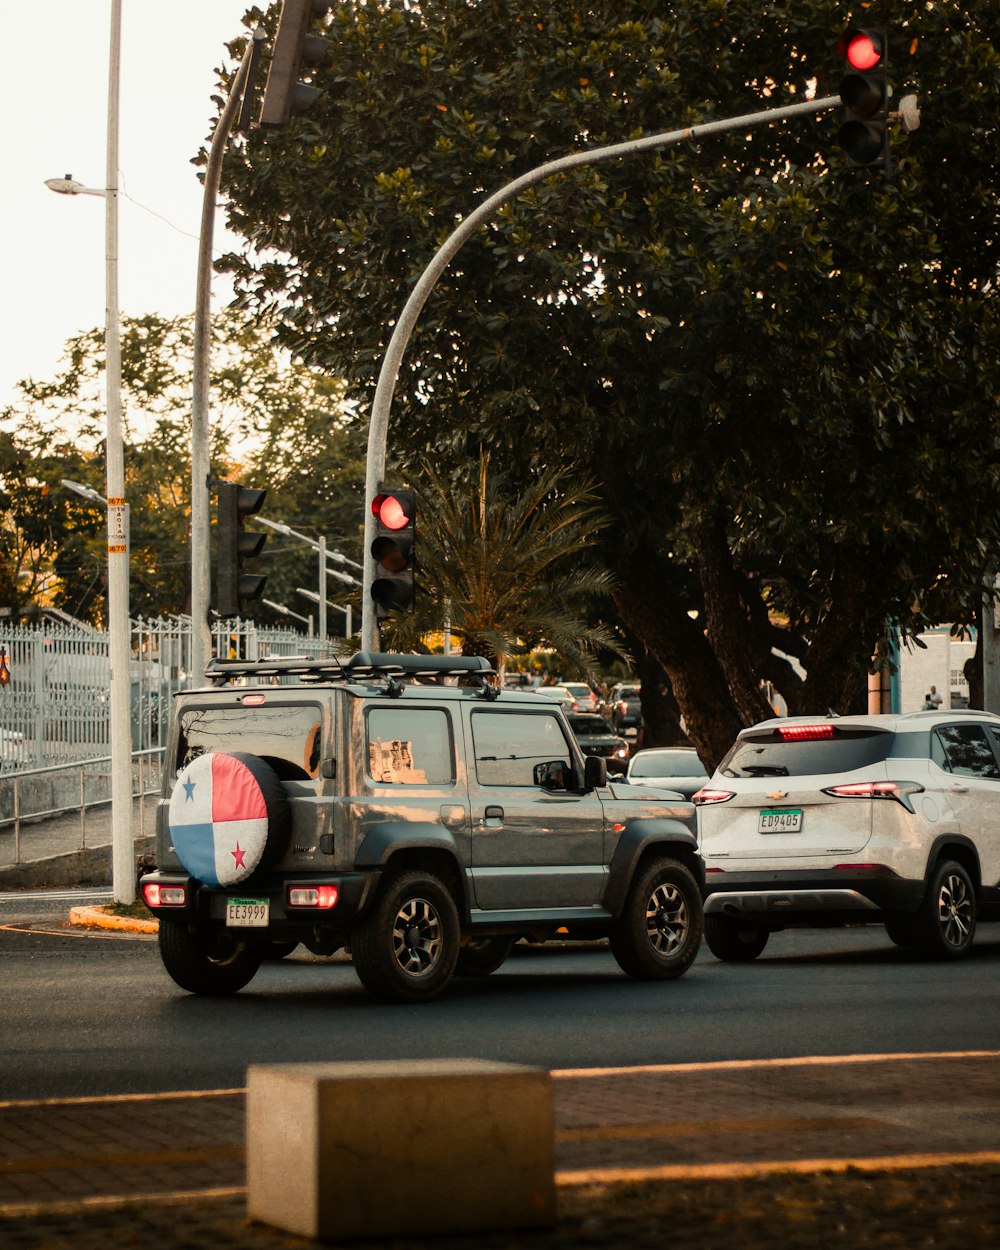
362	664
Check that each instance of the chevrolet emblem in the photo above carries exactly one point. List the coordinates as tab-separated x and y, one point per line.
778	794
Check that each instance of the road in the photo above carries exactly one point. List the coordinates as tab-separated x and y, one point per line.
93	1013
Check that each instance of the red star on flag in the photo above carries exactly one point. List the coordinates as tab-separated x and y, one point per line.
238	856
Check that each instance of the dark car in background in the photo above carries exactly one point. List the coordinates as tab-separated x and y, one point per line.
624	709
596	737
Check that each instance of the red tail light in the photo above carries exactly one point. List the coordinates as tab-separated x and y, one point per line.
156	895
322	896
711	796
801	733
898	790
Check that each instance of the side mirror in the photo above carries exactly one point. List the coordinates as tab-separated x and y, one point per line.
595	772
552	775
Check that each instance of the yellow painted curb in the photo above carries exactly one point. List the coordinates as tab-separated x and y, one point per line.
98	918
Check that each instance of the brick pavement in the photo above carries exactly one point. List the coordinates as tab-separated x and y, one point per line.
789	1153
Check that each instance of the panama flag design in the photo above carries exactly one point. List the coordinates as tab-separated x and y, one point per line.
218	819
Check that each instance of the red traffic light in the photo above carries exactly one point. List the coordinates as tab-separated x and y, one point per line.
862	49
393	510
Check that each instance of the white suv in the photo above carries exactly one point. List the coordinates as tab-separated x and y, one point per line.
891	819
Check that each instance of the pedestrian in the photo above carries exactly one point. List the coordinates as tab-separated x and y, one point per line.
934	699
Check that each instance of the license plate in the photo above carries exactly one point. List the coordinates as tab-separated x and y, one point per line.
779	820
247	913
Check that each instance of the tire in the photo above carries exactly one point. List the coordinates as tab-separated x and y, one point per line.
406	948
229	818
945	923
481	957
207	959
659	931
734	940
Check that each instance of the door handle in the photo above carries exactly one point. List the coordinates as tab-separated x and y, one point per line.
494	812
957	789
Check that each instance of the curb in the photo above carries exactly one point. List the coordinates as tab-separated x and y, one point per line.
99	918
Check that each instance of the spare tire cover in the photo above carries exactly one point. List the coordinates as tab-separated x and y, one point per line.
228	817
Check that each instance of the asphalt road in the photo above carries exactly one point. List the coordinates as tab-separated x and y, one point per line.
89	1013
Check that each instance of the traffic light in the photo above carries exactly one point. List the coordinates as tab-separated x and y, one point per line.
864	90
393	550
235	546
296	49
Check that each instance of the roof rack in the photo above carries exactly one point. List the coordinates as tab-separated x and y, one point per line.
363	664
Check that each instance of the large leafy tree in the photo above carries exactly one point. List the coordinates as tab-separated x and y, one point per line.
782	374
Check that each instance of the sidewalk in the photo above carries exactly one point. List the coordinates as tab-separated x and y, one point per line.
58	851
894	1151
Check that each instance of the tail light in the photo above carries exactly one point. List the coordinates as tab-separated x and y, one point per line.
803	733
701	797
156	895
898	790
322	896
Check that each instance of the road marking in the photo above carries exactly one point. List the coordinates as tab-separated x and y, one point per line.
98	935
105	1099
804	1061
740	1171
113	1202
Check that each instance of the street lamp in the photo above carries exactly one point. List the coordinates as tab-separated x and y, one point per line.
86	491
283	611
341	607
119	629
324	569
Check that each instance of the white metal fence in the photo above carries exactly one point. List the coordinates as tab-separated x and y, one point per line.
54	708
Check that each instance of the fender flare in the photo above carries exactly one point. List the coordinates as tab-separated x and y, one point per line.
639	836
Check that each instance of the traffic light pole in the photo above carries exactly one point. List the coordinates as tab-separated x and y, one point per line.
201	639
389	373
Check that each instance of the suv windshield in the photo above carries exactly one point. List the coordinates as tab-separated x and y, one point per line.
769	754
286	735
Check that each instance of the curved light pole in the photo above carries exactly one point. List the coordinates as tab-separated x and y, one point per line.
379	423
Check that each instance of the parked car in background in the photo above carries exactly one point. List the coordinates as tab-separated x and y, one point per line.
585	698
596	737
672	768
559	693
888	819
624	709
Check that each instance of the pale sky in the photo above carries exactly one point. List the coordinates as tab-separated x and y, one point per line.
54	98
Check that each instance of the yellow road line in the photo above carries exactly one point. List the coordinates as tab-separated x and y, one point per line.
804	1061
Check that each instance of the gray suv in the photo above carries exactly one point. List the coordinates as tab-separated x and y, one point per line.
407	809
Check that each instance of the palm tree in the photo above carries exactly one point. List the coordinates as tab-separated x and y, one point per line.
504	561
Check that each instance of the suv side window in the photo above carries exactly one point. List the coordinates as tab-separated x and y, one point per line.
508	745
410	746
967	752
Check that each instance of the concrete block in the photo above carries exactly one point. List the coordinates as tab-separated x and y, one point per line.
341	1150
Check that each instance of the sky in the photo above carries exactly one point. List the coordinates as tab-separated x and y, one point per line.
54	62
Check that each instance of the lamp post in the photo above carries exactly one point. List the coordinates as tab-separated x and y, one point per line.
119	630
313	597
324	570
283	611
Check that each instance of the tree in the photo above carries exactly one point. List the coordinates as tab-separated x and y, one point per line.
773	367
275	422
505	563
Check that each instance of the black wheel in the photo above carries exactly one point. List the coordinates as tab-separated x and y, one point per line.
207	959
479	958
901	930
733	939
406	948
659	931
945	924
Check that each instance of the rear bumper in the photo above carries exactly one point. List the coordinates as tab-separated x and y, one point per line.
204	903
806	896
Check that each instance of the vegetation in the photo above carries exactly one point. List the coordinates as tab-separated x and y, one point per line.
774	369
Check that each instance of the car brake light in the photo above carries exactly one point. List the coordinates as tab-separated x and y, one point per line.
711	796
898	790
322	896
156	895
801	733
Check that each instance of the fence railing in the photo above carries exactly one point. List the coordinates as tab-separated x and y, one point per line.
55	710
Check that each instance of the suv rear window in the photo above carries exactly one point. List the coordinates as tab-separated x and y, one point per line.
770	755
285	735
